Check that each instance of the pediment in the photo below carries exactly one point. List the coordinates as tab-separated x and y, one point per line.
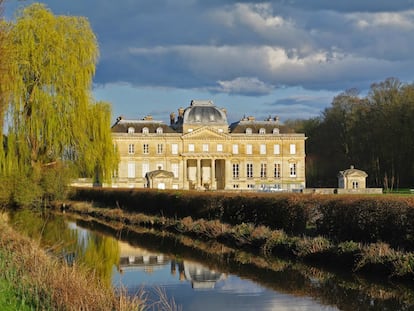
160	174
205	133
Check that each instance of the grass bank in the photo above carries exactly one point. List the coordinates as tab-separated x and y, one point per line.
369	258
31	279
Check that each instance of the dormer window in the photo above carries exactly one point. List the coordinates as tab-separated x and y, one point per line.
262	131
159	130
275	131
248	130
131	130
145	130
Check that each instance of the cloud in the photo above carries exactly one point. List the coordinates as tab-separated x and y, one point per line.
244	86
298	106
249	47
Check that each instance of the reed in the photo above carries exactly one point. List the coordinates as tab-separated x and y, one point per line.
42	282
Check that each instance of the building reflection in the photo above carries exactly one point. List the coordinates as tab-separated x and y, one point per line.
200	276
136	258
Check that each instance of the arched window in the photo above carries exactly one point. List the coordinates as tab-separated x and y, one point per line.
131	130
159	130
248	130
145	130
262	131
275	131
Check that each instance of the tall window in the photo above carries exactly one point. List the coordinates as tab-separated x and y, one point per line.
292	167
235	171
174	148
276	149
249	170
249	149
277	171
262	149
235	149
205	147
174	169
131	148
219	148
160	148
145	148
263	172
145	169
355	185
190	147
292	149
131	169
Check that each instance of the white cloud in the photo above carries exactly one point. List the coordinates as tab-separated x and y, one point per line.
244	85
401	21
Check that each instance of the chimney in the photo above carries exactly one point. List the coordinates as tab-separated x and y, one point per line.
180	113
172	118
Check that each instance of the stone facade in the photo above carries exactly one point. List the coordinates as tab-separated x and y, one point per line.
203	152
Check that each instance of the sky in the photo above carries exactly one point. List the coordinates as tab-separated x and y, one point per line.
286	58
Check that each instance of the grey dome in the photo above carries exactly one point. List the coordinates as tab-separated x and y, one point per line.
204	112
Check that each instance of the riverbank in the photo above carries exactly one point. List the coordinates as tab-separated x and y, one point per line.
360	218
34	280
365	258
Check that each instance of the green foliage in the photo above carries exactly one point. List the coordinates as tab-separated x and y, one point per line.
369	219
374	133
53	123
55	181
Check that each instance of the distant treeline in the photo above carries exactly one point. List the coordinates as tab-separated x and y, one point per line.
374	133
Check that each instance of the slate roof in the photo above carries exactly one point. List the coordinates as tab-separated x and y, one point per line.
122	126
241	126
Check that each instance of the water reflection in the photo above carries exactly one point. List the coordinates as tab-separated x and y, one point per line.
66	240
205	276
137	258
200	276
196	286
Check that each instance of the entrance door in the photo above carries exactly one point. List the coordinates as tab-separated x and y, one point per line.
220	172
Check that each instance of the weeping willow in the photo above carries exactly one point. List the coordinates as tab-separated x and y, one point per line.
5	79
52	114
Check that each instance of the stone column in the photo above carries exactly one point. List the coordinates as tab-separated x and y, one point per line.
213	175
185	182
198	174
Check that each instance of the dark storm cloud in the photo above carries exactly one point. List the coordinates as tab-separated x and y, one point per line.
249	48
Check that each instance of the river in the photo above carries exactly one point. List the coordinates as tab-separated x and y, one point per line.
199	275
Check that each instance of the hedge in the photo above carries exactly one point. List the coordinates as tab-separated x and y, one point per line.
359	218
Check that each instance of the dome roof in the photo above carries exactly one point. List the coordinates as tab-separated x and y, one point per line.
204	112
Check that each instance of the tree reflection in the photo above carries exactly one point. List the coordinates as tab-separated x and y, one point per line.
92	250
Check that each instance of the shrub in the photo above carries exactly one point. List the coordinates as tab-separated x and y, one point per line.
309	246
